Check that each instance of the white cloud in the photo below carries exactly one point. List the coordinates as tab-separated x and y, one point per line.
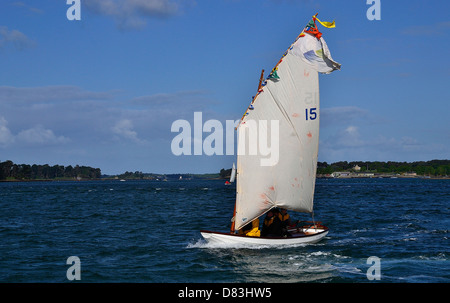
341	115
95	117
348	143
439	28
15	38
27	7
35	135
40	135
172	99
124	129
49	93
352	130
348	137
5	134
132	13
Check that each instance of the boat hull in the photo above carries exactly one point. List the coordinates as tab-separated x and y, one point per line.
306	237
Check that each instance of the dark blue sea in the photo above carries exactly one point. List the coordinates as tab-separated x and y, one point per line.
148	231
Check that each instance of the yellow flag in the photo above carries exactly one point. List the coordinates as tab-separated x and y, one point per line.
326	24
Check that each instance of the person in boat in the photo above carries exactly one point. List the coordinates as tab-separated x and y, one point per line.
272	225
285	221
251	229
284	218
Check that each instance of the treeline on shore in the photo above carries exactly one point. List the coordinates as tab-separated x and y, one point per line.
423	168
225	173
138	175
12	171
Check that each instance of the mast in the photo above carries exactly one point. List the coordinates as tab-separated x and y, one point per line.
261	79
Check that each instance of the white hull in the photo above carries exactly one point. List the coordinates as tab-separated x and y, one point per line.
308	236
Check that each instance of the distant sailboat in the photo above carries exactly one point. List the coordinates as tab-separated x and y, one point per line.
233	176
289	95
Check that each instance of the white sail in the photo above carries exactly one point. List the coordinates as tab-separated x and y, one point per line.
291	105
233	174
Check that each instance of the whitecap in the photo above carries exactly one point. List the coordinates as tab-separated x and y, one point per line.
202	243
344	268
199	244
320	253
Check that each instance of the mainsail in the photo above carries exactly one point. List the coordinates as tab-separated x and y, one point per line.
285	113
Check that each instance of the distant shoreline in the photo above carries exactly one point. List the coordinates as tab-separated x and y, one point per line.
196	179
388	177
433	169
48	180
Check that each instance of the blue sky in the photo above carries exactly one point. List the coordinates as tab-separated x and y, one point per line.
104	91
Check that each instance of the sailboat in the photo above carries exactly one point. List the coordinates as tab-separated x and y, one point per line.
233	176
290	97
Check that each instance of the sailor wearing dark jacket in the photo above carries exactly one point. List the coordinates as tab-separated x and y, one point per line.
284	218
272	225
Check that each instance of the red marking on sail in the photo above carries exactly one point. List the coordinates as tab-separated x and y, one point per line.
295	115
309	135
272	188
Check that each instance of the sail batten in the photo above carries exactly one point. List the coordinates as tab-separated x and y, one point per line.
287	116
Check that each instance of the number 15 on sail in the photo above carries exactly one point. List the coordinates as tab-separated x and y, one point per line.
311	114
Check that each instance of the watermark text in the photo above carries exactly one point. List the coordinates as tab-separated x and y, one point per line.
74	11
374	271
374	12
74	271
256	138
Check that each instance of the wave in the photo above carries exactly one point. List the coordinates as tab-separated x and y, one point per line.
202	243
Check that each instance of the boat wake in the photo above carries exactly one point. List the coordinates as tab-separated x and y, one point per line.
202	243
